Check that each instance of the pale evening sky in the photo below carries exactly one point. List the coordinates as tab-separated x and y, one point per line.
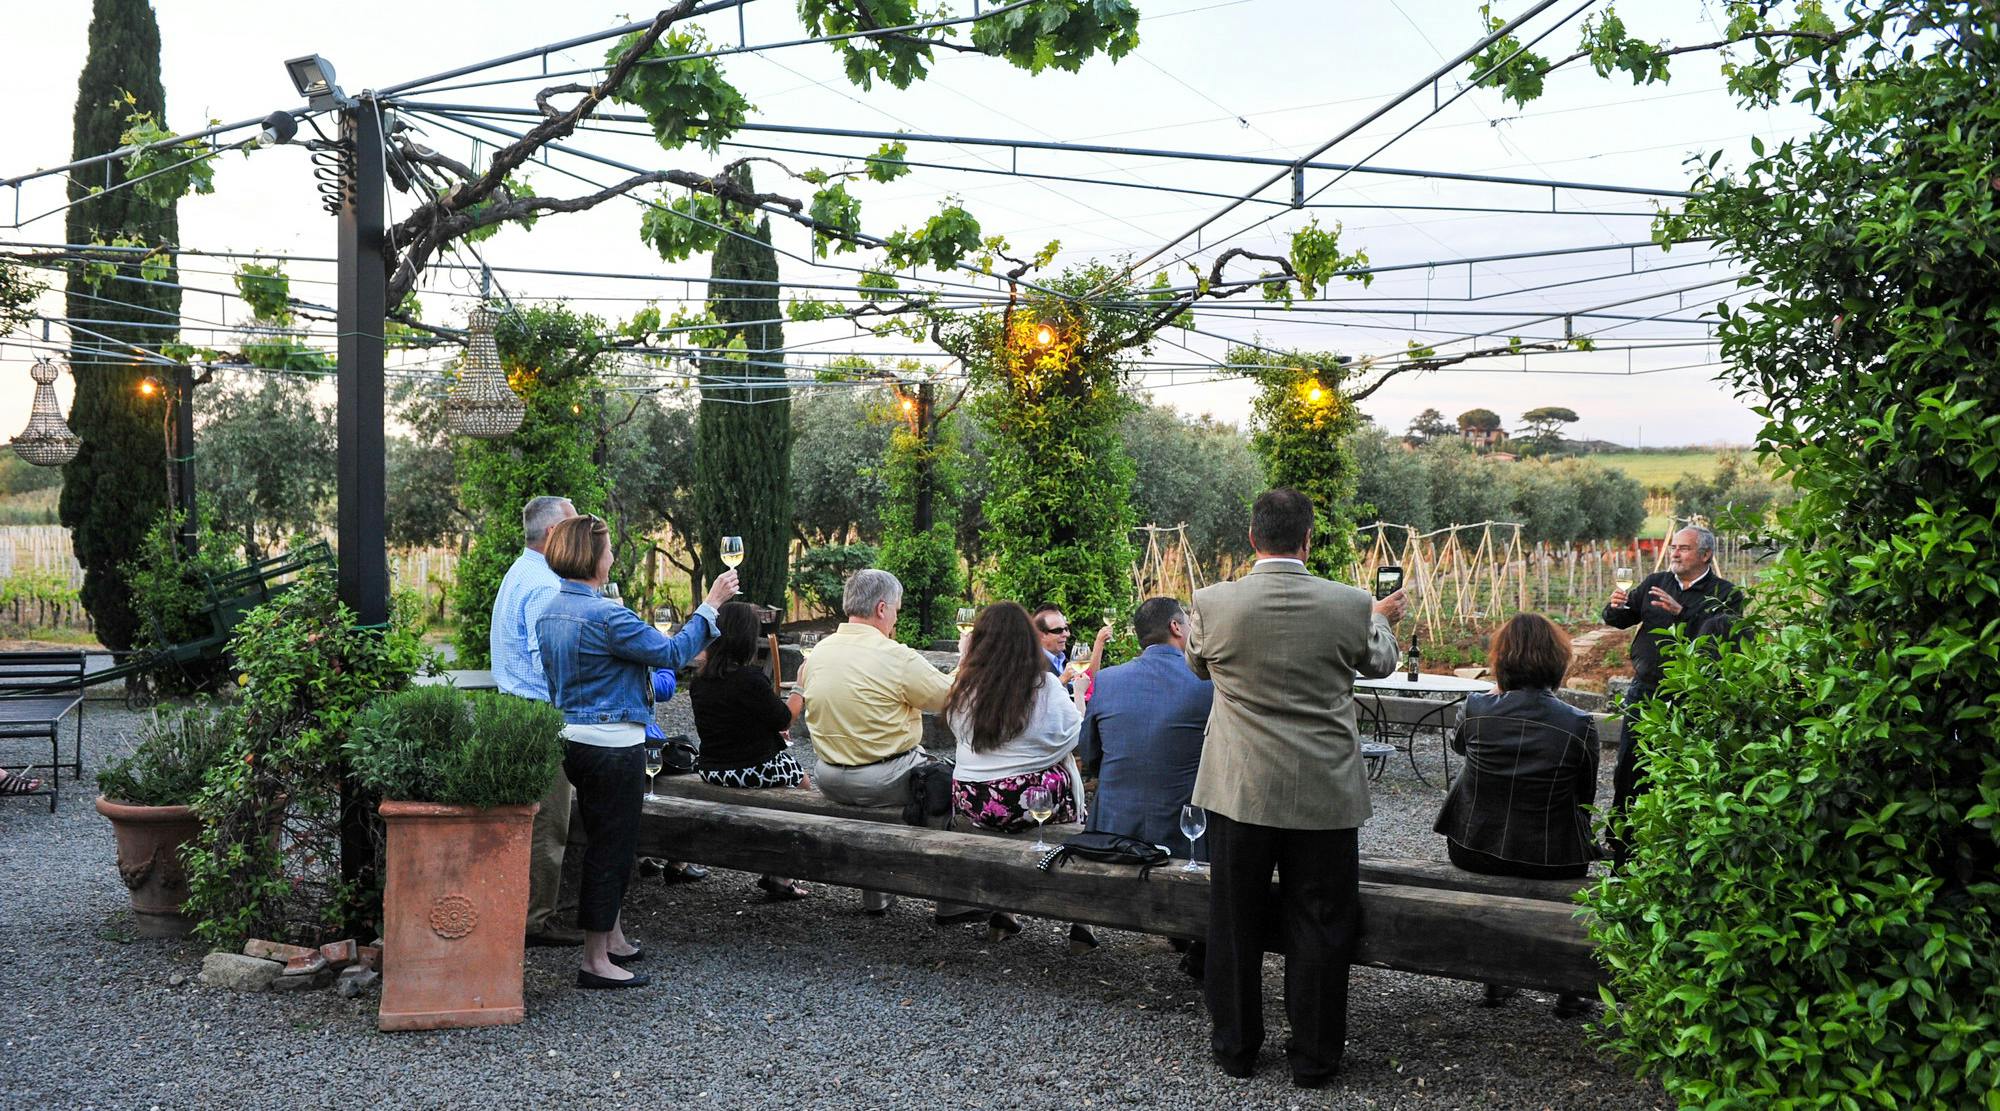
1252	77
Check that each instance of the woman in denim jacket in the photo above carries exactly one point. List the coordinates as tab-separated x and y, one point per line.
599	658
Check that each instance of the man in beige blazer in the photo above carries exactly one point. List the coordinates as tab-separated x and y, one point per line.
1281	779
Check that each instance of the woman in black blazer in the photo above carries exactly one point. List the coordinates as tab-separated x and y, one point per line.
1521	806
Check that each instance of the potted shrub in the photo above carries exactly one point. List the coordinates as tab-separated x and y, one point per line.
459	774
148	796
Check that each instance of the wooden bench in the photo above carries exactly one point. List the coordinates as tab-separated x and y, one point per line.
1418	916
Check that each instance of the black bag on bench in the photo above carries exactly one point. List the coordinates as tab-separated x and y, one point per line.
1110	848
930	796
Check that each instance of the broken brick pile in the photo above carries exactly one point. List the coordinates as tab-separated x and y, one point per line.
274	966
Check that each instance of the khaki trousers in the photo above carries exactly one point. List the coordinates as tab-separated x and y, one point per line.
545	861
883	784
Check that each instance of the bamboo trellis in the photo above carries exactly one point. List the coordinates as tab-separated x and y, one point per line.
1167	566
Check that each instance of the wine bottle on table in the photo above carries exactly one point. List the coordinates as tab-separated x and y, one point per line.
1415	655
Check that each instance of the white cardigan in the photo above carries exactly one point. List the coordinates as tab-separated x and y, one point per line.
1050	735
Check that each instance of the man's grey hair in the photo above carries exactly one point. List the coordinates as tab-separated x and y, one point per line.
867	589
542	514
1704	539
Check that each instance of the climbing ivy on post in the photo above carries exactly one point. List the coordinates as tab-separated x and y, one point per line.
552	355
1047	375
920	514
1299	425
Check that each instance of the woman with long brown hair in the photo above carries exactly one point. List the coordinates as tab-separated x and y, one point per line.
1017	729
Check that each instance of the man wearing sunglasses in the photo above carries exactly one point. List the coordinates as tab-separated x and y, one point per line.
1053	629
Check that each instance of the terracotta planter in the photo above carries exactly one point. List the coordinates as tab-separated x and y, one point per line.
149	861
454	915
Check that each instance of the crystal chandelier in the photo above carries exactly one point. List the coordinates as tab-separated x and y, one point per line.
47	442
481	404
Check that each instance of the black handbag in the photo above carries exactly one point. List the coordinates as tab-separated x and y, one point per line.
1109	848
929	796
678	755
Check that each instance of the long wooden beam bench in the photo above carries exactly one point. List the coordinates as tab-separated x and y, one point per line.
1378	869
1533	942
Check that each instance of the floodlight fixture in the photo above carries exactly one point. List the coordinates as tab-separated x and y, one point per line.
312	76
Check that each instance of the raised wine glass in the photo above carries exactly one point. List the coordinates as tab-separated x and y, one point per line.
655	755
966	616
1194	823
1622	578
732	554
1038	804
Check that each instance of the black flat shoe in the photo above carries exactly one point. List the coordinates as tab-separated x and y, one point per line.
686	873
1230	1066
957	918
626	960
1081	939
1000	927
595	982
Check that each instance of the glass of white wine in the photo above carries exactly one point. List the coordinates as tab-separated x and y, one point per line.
1194	823
1622	578
966	616
655	755
1038	804
732	554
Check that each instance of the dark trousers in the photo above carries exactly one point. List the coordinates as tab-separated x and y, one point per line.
610	783
1628	779
1317	912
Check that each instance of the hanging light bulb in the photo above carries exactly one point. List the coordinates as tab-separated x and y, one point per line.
481	404
1044	335
47	441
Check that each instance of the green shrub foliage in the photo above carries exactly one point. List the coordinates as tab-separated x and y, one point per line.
1058	517
173	758
1299	424
821	574
1813	911
552	356
170	598
437	744
269	863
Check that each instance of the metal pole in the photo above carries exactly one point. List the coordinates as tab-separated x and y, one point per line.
363	280
183	456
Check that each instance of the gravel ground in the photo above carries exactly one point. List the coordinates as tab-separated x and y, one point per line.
754	1004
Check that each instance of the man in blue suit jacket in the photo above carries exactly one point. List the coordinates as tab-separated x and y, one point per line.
1143	732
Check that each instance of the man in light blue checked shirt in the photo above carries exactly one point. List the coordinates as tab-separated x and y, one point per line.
517	669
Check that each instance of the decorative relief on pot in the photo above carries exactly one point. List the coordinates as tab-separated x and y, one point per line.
453	917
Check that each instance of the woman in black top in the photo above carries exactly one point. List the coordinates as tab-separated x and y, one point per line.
742	722
1520	808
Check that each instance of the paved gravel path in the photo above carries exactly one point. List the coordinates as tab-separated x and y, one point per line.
803	1004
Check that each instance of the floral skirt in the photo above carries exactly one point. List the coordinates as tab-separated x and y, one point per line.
779	771
996	805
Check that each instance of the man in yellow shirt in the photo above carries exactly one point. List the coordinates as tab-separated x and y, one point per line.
864	698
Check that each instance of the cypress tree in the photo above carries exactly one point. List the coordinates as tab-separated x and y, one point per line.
116	486
743	434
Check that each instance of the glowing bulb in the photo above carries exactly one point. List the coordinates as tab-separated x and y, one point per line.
148	387
576	408
1315	394
1044	335
908	405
